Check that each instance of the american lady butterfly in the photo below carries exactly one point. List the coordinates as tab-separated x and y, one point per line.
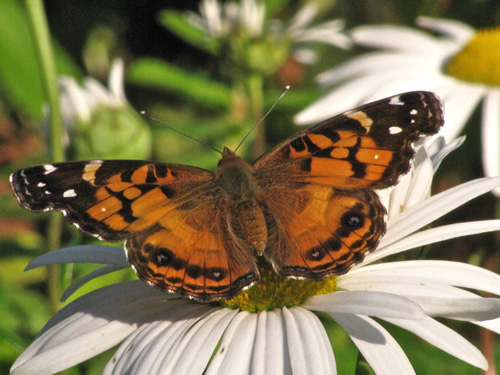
308	206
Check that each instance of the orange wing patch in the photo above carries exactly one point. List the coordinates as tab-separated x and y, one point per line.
191	252
324	232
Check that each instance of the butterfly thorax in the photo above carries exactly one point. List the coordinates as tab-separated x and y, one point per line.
235	178
238	189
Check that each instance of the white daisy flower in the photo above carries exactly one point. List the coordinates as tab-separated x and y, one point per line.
79	102
243	32
99	121
460	64
271	328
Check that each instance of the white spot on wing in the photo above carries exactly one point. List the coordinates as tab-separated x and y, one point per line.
103	209
413	112
49	168
41	184
47	192
395	130
396	100
69	193
375	157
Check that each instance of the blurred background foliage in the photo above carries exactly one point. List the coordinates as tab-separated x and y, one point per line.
172	74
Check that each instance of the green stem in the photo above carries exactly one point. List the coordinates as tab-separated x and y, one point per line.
256	96
41	40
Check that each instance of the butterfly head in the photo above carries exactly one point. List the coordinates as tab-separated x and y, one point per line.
235	177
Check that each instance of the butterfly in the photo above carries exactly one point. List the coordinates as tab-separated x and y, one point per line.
307	207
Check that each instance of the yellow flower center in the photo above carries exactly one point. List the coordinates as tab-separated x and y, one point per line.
479	61
274	292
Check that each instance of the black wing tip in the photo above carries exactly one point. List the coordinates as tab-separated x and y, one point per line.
20	187
429	102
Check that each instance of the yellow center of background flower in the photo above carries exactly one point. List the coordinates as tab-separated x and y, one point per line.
274	292
479	61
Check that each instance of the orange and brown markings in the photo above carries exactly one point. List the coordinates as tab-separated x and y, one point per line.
341	158
191	253
123	198
331	232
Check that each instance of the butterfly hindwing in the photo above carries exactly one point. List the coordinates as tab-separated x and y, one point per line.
192	252
318	231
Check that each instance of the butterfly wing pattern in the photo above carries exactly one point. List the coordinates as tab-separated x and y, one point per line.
167	214
307	206
329	216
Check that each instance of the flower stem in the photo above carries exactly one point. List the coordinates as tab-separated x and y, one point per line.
256	95
41	40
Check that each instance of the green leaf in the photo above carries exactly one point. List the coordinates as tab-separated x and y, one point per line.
12	271
276	6
19	70
22	310
178	24
161	75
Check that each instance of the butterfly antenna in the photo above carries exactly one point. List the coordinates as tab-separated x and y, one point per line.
147	115
264	117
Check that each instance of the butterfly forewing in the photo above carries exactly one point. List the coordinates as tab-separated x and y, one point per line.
367	147
111	199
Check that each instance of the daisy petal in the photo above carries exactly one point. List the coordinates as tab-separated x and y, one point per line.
270	354
444	150
400	286
163	343
89	326
366	303
372	62
198	344
336	101
460	308
116	82
445	272
458	30
443	338
433	208
74	97
378	347
109	255
491	135
234	353
383	37
430	236
492	325
459	102
308	345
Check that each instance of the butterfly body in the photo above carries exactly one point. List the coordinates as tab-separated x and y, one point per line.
235	178
308	207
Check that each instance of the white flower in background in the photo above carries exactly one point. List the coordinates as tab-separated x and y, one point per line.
161	333
244	24
460	64
100	123
220	21
79	102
